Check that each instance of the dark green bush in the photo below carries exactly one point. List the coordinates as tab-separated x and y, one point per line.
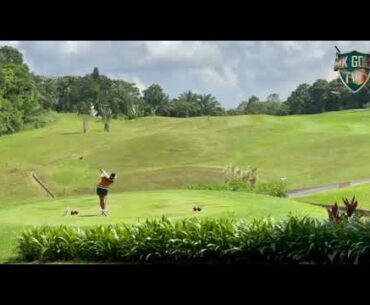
295	241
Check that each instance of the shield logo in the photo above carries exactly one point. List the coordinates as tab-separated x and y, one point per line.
353	69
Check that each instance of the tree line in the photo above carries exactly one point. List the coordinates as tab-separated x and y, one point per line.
25	95
76	94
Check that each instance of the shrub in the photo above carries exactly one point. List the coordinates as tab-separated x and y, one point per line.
350	210
273	188
233	173
42	119
295	241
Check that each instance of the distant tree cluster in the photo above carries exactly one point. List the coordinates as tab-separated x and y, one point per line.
271	106
321	96
325	96
24	95
75	94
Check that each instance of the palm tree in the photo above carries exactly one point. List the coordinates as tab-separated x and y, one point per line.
208	104
192	100
189	97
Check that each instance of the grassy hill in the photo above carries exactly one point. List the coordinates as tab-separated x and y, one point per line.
133	206
166	153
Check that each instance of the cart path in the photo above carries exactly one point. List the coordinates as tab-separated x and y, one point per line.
320	189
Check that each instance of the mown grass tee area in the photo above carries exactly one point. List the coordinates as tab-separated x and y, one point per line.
156	158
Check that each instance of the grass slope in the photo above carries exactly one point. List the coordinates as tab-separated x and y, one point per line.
166	153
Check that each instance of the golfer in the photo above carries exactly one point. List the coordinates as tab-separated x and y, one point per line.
102	190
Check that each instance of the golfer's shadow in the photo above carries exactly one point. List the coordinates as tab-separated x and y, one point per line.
90	215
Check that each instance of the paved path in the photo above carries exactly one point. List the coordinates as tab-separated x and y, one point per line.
324	188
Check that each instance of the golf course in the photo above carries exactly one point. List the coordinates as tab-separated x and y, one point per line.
156	158
170	153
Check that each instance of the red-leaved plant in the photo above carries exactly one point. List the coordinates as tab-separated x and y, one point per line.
336	216
350	206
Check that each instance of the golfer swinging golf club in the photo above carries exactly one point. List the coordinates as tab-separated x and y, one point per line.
102	190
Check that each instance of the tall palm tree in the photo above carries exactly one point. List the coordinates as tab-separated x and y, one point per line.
189	97
208	104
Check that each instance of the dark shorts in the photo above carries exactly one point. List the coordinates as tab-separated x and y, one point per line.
101	192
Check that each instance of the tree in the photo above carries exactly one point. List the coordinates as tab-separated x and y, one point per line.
209	105
337	95
299	100
272	108
273	98
124	98
319	93
95	74
189	97
256	108
10	118
47	91
242	107
155	98
233	112
191	102
253	99
283	109
186	105
179	108
10	55
68	93
19	98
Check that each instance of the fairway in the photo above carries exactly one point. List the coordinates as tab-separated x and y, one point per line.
170	153
133	206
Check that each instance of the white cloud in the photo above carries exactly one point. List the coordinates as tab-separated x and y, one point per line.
213	78
10	43
182	51
75	47
289	46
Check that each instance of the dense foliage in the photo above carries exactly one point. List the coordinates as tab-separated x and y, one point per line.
296	241
19	103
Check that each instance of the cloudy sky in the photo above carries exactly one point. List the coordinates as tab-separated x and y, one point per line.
230	70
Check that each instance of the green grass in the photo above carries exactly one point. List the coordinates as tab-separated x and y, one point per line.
133	206
362	193
168	153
